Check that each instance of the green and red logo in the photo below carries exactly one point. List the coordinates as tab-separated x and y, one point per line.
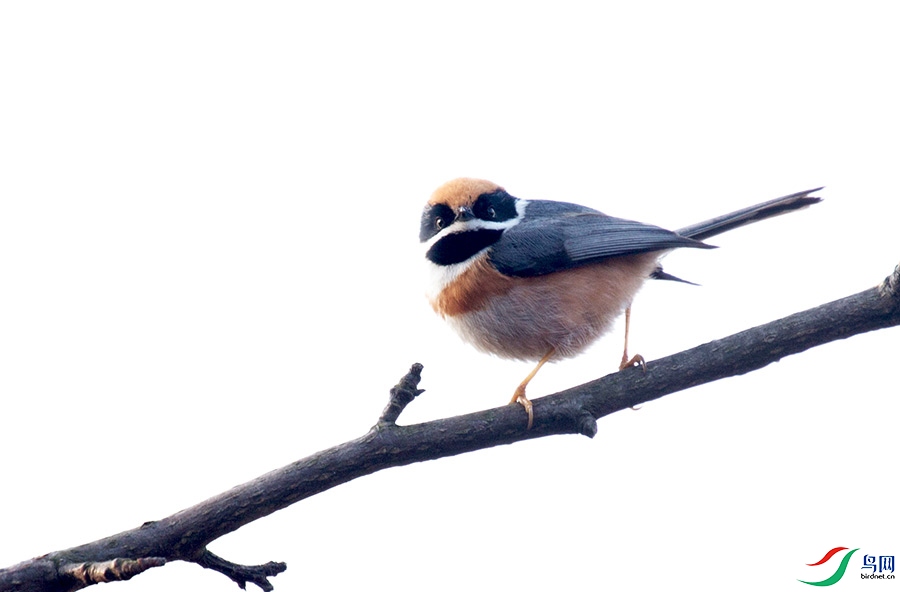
839	572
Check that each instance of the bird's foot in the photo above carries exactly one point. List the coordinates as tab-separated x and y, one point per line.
636	360
522	400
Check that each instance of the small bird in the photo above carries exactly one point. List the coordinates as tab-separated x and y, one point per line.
540	280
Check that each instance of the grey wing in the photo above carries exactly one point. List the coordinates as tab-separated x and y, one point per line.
555	236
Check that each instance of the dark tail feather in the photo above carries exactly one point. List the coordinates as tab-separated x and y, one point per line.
768	209
659	274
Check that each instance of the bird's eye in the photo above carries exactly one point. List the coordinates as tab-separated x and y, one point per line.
497	206
435	218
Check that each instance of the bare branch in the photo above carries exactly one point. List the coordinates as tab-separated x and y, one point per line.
185	535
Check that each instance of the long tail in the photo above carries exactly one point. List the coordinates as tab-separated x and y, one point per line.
768	209
714	226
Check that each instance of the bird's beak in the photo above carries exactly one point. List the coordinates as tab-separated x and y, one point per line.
465	214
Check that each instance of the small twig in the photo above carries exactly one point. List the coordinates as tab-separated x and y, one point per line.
402	395
587	425
890	287
241	574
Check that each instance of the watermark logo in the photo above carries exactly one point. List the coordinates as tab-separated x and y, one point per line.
880	567
874	567
839	572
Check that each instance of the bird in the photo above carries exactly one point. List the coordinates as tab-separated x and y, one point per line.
541	280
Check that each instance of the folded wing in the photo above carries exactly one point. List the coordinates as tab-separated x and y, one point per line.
555	236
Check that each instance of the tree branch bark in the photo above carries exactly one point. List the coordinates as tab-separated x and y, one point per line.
185	535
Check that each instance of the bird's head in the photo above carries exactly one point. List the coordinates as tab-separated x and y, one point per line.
464	217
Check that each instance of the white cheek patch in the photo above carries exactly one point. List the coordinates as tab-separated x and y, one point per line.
520	208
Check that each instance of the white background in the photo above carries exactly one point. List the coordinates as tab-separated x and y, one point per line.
209	268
